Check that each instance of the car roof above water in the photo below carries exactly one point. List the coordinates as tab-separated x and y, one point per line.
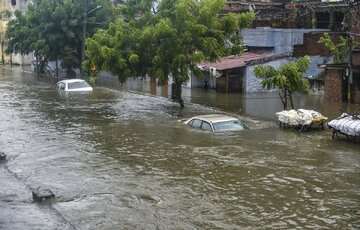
72	80
213	118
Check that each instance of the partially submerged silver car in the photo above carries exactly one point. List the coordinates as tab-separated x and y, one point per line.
216	123
73	85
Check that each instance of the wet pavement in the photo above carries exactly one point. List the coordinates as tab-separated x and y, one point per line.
118	158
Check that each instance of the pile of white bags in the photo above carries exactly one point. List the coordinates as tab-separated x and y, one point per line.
347	124
298	117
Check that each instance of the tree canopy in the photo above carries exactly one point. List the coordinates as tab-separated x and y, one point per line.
53	28
339	50
288	78
166	38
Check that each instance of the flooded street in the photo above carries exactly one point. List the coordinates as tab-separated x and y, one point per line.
119	159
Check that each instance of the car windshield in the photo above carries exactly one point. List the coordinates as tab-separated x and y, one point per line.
232	125
78	84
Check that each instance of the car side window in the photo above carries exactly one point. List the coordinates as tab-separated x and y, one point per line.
206	126
62	86
195	123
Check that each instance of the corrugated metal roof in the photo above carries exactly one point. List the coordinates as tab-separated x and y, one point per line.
235	61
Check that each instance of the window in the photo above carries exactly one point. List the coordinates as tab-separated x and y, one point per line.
206	126
323	20
13	2
77	85
195	123
229	125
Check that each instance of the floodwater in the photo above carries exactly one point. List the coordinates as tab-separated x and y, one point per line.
118	158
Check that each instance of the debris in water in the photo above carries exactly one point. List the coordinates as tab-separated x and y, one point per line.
42	194
2	156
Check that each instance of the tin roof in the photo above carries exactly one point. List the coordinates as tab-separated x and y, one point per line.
234	61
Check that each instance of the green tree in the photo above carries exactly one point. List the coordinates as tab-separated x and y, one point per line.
166	39
339	50
53	28
288	78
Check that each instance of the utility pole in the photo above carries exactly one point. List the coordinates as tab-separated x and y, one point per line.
82	58
84	27
350	64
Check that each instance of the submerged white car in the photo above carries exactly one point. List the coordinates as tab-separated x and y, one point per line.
73	85
216	123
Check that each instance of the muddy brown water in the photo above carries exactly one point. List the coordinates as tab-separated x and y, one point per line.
118	158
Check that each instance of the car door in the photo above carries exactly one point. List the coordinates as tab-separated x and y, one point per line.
57	86
60	86
200	124
195	123
206	126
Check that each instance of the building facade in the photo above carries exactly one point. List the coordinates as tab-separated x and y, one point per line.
7	9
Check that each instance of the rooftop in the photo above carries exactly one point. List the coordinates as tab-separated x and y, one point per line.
234	61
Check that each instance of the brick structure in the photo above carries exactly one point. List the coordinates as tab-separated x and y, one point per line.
333	84
356	58
355	89
311	46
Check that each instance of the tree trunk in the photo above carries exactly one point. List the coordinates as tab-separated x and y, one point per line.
284	98
291	101
181	102
176	93
153	85
2	52
164	89
57	67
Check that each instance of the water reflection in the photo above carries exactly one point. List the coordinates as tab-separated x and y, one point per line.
255	105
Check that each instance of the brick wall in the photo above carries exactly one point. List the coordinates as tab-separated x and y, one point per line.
312	47
356	58
333	85
356	22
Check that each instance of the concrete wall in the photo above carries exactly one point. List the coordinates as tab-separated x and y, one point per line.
197	83
314	70
252	84
21	5
4	6
282	40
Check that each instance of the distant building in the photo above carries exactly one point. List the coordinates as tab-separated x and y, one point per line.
275	40
342	80
235	74
266	46
305	14
7	8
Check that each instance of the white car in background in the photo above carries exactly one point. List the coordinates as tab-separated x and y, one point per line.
73	85
216	123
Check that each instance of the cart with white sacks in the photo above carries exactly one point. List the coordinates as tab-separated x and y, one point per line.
301	119
347	125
